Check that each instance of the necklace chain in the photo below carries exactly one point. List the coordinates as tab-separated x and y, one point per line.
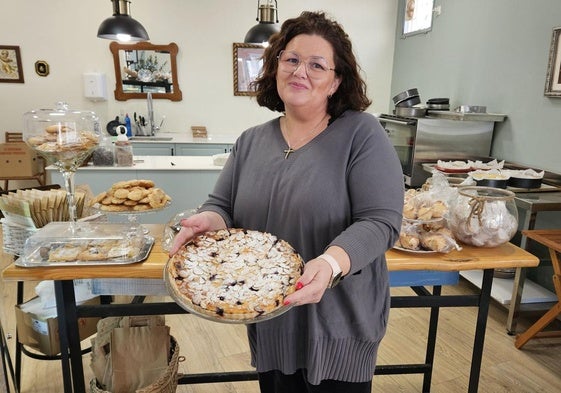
290	149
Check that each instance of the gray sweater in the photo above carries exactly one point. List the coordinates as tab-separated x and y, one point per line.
343	188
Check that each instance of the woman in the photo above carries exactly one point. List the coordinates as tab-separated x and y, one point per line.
325	178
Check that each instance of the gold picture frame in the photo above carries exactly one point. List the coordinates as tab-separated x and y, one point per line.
11	70
553	76
248	61
42	68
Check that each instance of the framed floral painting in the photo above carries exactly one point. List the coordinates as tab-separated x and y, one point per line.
11	70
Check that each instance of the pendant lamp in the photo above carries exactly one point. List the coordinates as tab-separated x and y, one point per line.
121	26
267	26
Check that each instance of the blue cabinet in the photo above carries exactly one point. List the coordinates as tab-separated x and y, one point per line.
153	149
201	149
180	149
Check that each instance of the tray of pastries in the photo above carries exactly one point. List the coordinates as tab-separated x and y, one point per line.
84	243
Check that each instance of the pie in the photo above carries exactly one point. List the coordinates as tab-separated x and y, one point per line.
234	274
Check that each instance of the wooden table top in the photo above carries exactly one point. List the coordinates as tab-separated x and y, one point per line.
550	238
469	258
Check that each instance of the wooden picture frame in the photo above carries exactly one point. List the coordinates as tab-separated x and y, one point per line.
11	70
247	66
553	76
131	60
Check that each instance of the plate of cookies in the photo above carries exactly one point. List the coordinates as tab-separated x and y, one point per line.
132	196
84	243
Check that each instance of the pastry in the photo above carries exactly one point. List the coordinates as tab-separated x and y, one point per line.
234	274
66	252
132	195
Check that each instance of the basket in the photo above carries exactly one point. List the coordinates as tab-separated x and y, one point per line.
14	237
167	383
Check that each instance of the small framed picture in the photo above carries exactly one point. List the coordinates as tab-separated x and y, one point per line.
42	68
11	70
553	76
417	17
248	61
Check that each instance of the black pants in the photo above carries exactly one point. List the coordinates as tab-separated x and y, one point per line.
277	382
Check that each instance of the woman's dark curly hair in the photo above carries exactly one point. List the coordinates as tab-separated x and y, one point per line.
351	93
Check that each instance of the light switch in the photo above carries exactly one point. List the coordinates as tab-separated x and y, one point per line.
95	86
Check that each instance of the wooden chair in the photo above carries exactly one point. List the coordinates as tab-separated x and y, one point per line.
14	137
551	238
41	177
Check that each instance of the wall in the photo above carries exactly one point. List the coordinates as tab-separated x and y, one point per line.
63	33
492	53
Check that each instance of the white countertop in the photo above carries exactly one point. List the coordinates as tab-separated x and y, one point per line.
185	137
155	163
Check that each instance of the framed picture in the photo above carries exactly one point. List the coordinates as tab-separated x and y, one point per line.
11	70
417	17
248	61
42	68
553	76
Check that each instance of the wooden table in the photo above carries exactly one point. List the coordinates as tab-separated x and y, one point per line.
551	238
470	258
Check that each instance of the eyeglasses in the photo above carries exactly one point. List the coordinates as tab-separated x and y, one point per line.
316	66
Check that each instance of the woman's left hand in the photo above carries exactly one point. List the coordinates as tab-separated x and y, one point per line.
312	284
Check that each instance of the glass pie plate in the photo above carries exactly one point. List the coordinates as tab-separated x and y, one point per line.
234	275
84	243
186	303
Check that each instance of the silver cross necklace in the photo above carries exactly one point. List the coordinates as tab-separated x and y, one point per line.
290	150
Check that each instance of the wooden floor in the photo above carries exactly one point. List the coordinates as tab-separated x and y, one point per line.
211	347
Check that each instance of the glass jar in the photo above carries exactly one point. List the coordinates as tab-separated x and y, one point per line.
104	154
483	216
64	136
123	153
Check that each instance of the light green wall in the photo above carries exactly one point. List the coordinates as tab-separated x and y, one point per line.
493	53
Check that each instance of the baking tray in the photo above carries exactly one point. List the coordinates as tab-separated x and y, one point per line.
34	259
188	306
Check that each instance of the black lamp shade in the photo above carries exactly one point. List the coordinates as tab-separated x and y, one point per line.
261	32
113	27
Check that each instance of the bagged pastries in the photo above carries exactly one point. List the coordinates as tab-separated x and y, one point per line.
421	237
39	207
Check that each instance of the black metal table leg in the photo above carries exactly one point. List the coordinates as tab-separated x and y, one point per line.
72	369
7	366
19	346
481	326
431	341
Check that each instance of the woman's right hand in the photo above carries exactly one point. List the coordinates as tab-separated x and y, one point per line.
192	226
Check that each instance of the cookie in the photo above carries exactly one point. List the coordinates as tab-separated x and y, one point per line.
121	193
